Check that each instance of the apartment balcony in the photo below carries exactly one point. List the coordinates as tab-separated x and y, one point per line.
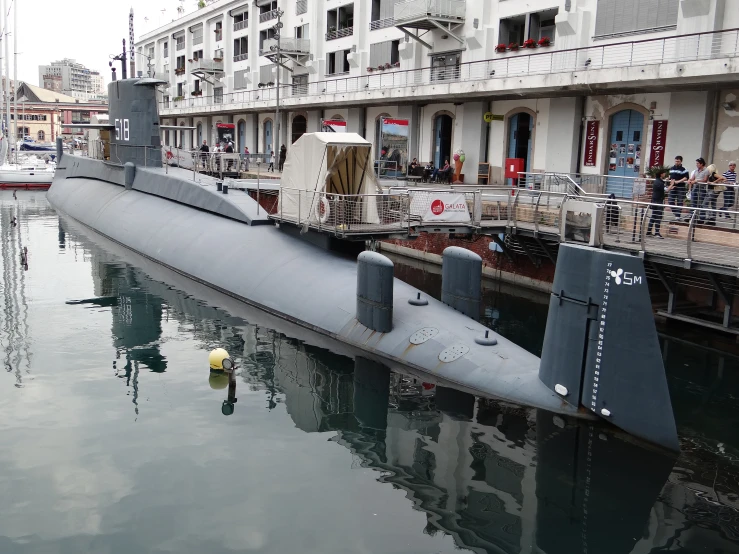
291	49
333	34
207	70
267	16
429	15
697	60
241	25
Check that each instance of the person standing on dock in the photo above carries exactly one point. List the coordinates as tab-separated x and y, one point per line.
679	176
246	158
283	156
697	184
730	192
271	161
657	204
204	150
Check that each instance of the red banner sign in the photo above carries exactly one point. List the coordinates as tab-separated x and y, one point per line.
591	143
659	139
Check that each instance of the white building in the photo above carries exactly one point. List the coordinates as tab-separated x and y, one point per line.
654	79
72	79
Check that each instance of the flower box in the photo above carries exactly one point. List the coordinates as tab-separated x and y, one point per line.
381	67
513	47
501	48
388	66
397	64
197	93
179	71
530	43
217	59
544	41
370	69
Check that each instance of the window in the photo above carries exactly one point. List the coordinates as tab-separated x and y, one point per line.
382	11
179	89
445	67
197	55
41	135
265	74
268	7
165	49
241	21
302	31
196	84
218	95
240	79
22	132
218	30
300	85
338	62
340	22
197	35
264	35
512	29
301	7
181	63
180	42
628	18
241	49
384	52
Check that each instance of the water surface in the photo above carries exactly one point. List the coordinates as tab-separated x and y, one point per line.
112	436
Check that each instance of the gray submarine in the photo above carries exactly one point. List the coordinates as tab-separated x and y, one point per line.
601	357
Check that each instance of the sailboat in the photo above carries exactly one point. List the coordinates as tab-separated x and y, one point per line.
27	171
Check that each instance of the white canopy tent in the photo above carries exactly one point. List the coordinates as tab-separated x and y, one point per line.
321	172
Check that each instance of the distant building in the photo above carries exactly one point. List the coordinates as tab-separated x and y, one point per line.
41	113
73	79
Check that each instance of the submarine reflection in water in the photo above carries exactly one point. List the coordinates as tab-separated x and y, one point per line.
495	477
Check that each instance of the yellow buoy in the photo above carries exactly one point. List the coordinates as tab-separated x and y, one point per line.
216	357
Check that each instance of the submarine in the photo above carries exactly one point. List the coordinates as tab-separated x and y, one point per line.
601	357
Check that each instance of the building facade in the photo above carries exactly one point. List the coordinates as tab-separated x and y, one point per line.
590	86
73	79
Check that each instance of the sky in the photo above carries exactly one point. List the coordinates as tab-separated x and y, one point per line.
89	31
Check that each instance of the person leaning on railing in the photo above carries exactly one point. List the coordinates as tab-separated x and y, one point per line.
713	189
679	176
730	192
697	187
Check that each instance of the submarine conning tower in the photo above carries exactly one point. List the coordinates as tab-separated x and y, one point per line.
134	115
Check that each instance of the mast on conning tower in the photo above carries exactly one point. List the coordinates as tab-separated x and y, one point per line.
131	58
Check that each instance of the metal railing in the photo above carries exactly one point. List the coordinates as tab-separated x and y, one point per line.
180	45
147	156
301	45
241	25
696	47
204	64
241	57
382	23
414	9
267	16
339	33
345	214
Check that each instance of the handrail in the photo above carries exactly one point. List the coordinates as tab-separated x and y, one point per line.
407	77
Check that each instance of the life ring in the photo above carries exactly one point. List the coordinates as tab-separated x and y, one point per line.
323	210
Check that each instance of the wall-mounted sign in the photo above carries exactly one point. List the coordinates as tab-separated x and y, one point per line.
591	143
659	139
489	117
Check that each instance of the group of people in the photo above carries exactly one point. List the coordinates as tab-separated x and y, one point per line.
702	187
228	148
431	173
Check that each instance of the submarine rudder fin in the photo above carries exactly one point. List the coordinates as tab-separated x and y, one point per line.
601	350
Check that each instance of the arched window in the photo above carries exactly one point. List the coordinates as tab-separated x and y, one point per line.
241	135
442	142
267	144
41	135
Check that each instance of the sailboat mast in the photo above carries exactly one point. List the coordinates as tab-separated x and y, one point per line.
11	137
15	73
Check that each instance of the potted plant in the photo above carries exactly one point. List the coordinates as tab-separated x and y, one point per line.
271	84
370	69
380	67
501	48
217	59
513	47
544	41
653	171
530	43
388	66
179	71
198	92
397	64
177	98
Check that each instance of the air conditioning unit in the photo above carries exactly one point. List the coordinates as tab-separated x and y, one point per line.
218	53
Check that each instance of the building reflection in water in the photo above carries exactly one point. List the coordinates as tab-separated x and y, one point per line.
498	478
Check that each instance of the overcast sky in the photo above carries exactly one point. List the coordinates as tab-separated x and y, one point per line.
89	31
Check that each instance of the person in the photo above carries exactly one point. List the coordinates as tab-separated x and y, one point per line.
730	192
229	150
271	161
283	156
713	189
204	153
414	165
441	173
246	158
657	204
697	187
612	213
679	176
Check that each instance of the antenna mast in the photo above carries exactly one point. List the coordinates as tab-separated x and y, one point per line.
131	59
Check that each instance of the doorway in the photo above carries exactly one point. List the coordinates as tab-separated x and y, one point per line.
267	136
443	125
300	126
241	135
624	159
200	135
520	133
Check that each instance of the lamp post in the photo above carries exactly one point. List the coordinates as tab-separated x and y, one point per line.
277	50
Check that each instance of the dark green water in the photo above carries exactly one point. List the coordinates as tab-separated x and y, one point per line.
112	438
